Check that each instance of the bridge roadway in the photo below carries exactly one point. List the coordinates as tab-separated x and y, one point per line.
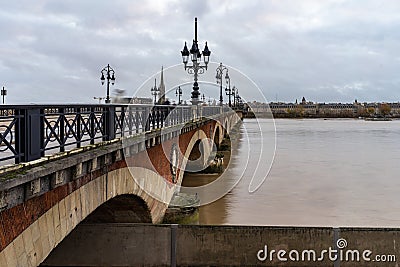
132	164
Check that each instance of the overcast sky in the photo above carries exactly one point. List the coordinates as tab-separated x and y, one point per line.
327	51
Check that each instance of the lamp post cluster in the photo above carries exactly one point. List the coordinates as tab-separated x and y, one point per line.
110	77
195	63
196	67
232	93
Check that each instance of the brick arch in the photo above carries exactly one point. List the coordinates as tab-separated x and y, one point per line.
230	122
162	189
226	126
218	133
125	208
37	241
198	135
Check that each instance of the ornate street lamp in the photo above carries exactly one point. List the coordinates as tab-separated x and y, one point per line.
178	93
238	99
155	91
196	68
3	93
228	91
220	71
110	77
234	90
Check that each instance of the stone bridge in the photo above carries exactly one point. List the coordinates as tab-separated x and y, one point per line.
94	163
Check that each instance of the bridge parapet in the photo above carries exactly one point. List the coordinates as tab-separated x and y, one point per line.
30	132
21	182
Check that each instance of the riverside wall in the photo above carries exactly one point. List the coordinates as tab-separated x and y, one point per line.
200	245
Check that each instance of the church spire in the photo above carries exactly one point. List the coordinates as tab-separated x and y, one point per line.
162	87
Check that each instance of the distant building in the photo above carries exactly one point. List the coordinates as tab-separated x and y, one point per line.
395	109
336	110
310	109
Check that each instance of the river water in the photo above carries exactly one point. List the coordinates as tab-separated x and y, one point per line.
324	173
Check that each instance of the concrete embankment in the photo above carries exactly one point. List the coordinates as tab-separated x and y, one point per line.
194	245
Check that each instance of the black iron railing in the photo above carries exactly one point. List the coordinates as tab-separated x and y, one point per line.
30	132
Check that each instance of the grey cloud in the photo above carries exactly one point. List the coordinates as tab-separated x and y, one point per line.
54	50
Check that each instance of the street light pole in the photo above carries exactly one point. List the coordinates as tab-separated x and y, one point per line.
234	89
220	70
3	93
155	91
108	71
228	90
196	68
178	93
238	99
